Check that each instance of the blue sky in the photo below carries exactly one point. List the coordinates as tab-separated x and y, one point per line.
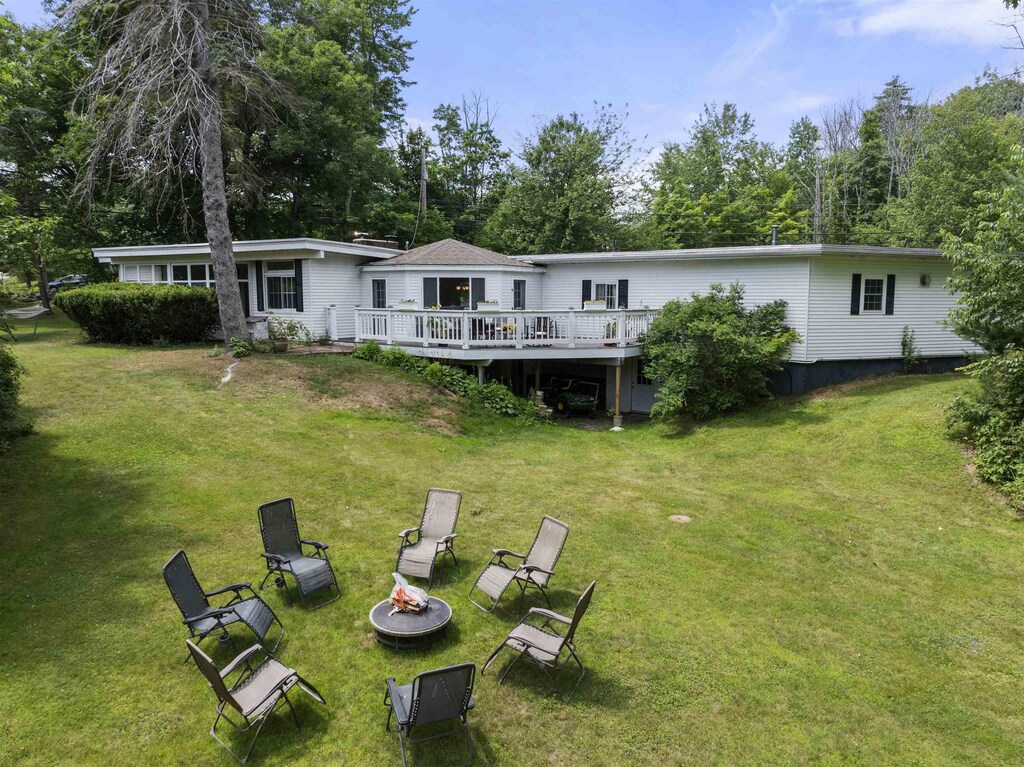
536	58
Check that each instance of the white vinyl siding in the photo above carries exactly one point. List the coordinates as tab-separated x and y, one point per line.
838	335
653	283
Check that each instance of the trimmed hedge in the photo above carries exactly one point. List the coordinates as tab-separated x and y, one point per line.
130	313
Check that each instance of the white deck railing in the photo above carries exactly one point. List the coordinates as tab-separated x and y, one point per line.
517	329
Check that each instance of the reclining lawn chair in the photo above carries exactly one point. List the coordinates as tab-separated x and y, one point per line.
435	536
433	696
543	644
202	619
536	570
283	554
29	313
255	695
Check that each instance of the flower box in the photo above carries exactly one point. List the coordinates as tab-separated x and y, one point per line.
595	306
488	306
408	305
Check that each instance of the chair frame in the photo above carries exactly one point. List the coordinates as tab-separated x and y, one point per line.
220	627
567	643
405	728
523	570
254	724
405	537
280	566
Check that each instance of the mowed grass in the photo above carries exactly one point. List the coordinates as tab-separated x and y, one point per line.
846	592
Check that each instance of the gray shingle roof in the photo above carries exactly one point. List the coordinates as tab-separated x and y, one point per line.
453	253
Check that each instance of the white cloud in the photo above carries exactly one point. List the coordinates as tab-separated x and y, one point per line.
752	43
974	22
798	103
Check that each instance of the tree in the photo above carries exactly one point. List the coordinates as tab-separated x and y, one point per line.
155	99
470	165
571	190
710	355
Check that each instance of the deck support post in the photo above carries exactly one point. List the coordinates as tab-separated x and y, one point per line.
536	377
617	418
480	374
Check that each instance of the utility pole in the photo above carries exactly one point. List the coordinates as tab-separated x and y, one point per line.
423	196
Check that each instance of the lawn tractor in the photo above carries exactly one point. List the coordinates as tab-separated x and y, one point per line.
568	395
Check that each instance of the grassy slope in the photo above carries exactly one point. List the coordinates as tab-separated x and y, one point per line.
845	594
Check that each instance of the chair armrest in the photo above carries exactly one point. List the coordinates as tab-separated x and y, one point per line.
235	587
534	568
449	537
407	533
549	615
393	698
507	553
241	658
217	612
314	544
273	558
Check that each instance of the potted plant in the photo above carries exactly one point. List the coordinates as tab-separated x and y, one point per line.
282	331
488	305
408	304
595	305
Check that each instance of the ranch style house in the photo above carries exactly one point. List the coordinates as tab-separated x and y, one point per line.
527	319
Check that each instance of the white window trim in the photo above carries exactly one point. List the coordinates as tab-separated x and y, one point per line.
613	293
373	295
289	273
863	295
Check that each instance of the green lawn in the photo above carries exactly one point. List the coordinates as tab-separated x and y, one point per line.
845	594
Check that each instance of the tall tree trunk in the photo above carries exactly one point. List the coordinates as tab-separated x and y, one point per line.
218	230
44	278
215	199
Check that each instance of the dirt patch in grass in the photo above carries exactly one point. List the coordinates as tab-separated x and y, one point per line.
350	386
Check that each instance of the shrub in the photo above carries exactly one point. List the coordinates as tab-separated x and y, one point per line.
493	395
129	313
710	355
992	419
909	351
10	387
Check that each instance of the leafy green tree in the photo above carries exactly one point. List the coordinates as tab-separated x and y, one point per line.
724	186
571	190
968	150
710	355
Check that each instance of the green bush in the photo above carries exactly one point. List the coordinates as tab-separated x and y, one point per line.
710	355
10	387
129	313
493	395
992	419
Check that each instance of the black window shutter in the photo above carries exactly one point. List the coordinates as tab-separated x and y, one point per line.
623	294
298	284
429	292
259	286
890	293
476	291
855	295
586	291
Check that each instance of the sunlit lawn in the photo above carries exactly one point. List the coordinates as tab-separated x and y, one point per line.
845	594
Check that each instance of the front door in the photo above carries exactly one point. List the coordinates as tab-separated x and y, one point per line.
641	389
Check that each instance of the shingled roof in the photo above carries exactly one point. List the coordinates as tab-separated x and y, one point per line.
453	253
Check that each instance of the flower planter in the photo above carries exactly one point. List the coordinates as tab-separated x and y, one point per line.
280	346
594	306
407	306
488	306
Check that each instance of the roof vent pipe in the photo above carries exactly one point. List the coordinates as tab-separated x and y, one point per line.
775	234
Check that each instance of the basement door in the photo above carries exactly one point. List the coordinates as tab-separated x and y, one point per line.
641	390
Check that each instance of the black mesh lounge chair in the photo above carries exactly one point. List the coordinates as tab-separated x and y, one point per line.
435	536
543	644
535	571
433	696
283	554
256	694
202	619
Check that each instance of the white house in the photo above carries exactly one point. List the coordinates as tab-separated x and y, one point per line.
580	314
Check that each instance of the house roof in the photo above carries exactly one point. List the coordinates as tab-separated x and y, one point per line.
732	251
454	253
305	247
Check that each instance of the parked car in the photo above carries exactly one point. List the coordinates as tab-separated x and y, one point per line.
67	281
569	395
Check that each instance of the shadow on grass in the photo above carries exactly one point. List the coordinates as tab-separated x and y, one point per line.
79	553
594	689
